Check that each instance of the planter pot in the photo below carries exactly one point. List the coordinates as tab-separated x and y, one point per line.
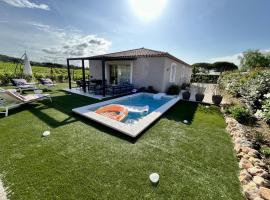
199	97
256	146
217	99
186	95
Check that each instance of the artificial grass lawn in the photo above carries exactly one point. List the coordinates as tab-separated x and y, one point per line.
85	160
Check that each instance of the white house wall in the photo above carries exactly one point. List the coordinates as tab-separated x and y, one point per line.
151	71
183	73
148	72
95	67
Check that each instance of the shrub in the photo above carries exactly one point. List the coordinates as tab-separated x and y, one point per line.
204	78
217	66
173	90
28	78
60	78
224	66
265	151
142	89
184	86
251	86
5	78
266	109
40	70
201	67
254	58
241	114
259	137
230	82
254	89
151	89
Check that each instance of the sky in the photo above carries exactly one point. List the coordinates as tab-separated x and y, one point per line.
192	30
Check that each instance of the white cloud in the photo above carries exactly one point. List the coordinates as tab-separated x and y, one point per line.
232	58
58	44
235	58
27	4
266	51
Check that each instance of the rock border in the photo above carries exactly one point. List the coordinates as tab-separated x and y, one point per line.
253	175
3	193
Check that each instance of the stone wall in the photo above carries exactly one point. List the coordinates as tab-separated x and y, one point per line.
254	174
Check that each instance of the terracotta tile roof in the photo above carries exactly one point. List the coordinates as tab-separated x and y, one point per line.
138	53
142	52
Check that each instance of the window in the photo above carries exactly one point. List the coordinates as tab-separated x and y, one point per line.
120	74
173	73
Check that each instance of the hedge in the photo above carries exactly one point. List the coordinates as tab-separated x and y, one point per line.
204	78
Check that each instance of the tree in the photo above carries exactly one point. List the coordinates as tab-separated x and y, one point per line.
224	66
217	66
254	58
201	67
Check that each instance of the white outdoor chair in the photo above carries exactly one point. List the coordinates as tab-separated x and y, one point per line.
10	99
23	85
47	82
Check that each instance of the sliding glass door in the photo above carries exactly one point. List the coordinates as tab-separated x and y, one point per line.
120	74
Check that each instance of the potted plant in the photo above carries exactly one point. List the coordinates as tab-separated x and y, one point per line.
186	95
151	89
200	93
185	86
216	98
173	90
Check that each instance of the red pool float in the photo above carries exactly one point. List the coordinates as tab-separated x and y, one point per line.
113	111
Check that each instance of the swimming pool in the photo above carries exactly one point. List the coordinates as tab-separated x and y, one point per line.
143	109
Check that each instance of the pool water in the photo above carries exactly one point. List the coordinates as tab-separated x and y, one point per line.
141	101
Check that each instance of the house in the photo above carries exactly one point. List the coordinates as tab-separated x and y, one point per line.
140	67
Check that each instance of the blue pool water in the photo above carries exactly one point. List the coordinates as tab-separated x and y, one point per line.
141	100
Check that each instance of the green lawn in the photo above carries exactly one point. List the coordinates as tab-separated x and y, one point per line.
84	160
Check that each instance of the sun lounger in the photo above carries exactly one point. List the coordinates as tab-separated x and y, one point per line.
22	84
11	99
47	82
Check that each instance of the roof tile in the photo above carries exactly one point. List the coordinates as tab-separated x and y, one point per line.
137	53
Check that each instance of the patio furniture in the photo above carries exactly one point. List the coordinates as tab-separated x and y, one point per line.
91	87
123	88
22	84
98	89
79	84
47	82
11	99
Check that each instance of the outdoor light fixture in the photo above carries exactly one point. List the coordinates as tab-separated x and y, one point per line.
185	121
46	133
154	178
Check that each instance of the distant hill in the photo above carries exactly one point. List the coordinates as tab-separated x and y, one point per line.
6	58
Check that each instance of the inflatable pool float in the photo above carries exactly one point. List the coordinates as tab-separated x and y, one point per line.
113	111
138	109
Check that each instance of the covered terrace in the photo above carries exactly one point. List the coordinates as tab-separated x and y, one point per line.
103	58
